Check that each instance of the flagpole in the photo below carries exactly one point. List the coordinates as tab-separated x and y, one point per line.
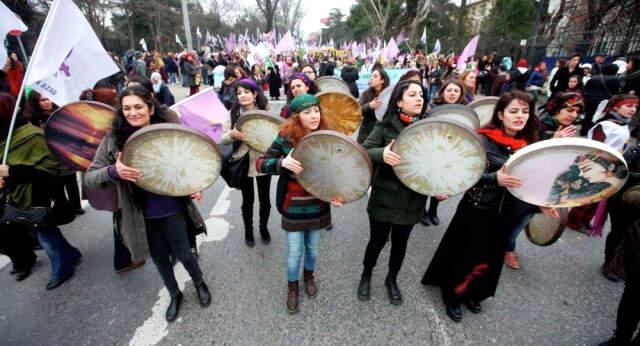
24	52
45	26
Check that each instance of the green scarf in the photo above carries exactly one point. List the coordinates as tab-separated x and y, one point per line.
29	148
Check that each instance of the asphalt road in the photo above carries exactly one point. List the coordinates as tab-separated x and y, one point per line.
558	296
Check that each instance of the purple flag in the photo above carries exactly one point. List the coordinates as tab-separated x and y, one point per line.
469	51
203	112
391	51
286	44
400	38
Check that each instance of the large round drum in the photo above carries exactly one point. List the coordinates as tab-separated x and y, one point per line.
174	160
439	157
332	84
543	230
259	128
484	108
334	166
567	172
459	113
342	111
74	131
385	97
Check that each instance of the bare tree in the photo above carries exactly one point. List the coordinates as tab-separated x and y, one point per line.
379	12
289	16
268	9
417	12
460	29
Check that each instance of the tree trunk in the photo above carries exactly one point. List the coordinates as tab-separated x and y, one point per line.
460	31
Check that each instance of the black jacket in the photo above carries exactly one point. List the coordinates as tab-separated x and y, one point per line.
349	75
601	87
164	97
560	81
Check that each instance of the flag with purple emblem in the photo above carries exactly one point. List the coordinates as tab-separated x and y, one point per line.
203	112
68	57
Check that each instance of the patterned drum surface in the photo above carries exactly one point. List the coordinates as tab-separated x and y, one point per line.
174	160
342	111
74	132
543	230
332	84
439	157
259	128
459	113
484	108
334	165
567	172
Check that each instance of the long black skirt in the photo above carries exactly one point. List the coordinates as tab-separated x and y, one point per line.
469	259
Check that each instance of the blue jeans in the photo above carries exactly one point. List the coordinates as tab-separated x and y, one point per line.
433	89
307	242
516	231
60	252
172	78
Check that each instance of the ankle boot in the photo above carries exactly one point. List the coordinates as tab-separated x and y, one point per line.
309	284
204	296
292	297
174	307
395	297
364	288
247	218
264	234
424	219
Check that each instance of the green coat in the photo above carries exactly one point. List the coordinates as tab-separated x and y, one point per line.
391	200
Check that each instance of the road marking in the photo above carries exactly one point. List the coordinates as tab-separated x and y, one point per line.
4	260
154	329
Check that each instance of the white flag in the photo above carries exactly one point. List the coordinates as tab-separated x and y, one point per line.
178	40
9	23
68	57
143	43
423	39
198	32
436	48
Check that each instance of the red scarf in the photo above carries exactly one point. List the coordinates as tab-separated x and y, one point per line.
407	119
502	138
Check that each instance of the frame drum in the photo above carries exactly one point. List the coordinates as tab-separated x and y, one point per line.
459	113
334	166
439	157
544	231
332	84
259	128
484	108
567	172
385	97
342	111
73	132
174	160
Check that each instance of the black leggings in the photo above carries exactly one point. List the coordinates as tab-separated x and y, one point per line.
379	234
248	197
168	235
628	314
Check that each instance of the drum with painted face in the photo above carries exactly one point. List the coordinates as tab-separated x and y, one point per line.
259	128
439	157
174	160
335	166
567	172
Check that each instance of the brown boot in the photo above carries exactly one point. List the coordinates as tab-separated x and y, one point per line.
292	297
310	284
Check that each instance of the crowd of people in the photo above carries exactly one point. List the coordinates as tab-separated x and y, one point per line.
534	104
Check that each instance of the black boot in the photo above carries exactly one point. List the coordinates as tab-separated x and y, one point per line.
433	211
395	297
174	308
454	312
425	219
248	229
203	294
264	220
364	288
473	305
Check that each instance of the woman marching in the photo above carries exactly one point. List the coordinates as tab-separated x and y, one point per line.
300	84
469	259
451	92
149	221
369	102
249	97
393	208
303	216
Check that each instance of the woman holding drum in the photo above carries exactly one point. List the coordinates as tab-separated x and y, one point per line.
149	221
393	207
469	259
451	92
303	216
369	102
249	97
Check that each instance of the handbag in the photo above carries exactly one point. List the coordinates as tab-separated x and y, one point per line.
233	171
32	217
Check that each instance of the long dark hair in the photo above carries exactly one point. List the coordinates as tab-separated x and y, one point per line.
32	111
530	131
370	93
439	99
396	95
313	88
122	130
261	100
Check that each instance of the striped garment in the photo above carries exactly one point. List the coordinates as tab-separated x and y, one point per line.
300	210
